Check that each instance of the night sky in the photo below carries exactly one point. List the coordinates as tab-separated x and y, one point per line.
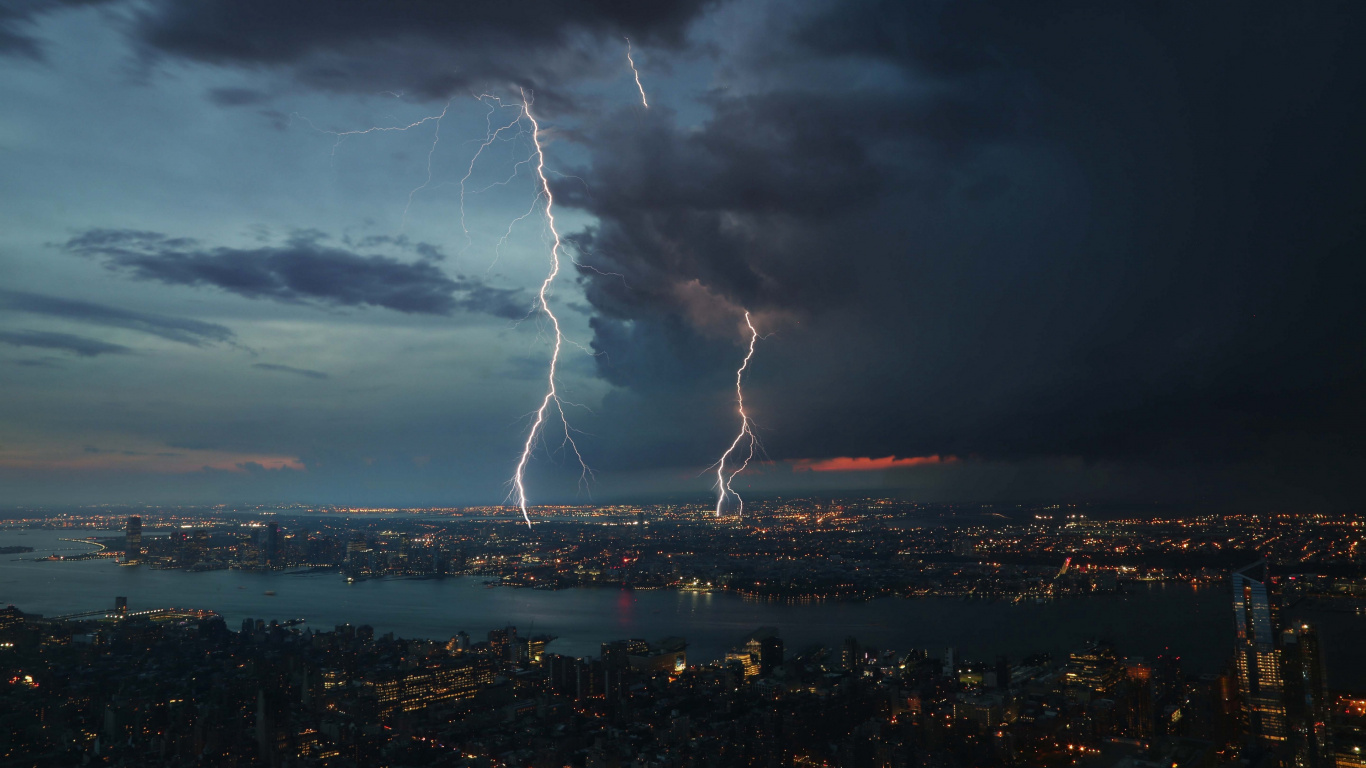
999	252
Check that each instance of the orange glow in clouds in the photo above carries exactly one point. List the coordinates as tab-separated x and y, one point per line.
867	463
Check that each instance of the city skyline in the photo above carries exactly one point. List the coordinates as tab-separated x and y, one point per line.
810	633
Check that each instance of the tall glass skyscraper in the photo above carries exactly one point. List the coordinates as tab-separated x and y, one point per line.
1258	655
132	546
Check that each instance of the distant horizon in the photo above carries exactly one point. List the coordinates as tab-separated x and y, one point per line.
1094	510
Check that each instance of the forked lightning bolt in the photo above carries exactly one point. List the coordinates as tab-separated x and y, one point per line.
636	72
723	481
436	138
551	395
492	134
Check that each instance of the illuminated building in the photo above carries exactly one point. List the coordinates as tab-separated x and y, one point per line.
1258	659
636	654
767	647
501	641
355	554
535	648
11	618
1096	670
749	665
334	679
1349	732
747	659
443	681
669	657
617	654
132	547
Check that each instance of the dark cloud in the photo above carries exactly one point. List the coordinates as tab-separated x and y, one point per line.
759	205
1113	233
183	330
237	97
17	18
64	342
428	47
290	369
303	270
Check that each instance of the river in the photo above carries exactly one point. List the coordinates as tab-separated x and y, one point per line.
1195	624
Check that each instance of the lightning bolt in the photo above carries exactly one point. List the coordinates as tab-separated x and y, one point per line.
723	481
552	397
491	135
436	139
636	72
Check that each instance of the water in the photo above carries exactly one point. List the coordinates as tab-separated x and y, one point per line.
1193	624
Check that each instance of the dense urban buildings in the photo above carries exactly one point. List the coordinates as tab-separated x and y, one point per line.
177	687
180	688
791	549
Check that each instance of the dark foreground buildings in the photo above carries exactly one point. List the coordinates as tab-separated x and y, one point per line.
178	688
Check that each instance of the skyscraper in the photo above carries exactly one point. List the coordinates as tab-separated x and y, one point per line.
132	548
1307	704
1257	654
500	640
270	545
849	653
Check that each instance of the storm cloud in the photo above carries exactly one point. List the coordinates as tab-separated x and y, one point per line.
1113	234
1110	249
304	270
426	48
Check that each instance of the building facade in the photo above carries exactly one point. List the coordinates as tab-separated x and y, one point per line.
1261	683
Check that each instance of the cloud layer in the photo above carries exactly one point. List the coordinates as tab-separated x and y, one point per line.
304	270
427	48
1115	242
62	342
184	330
1030	233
